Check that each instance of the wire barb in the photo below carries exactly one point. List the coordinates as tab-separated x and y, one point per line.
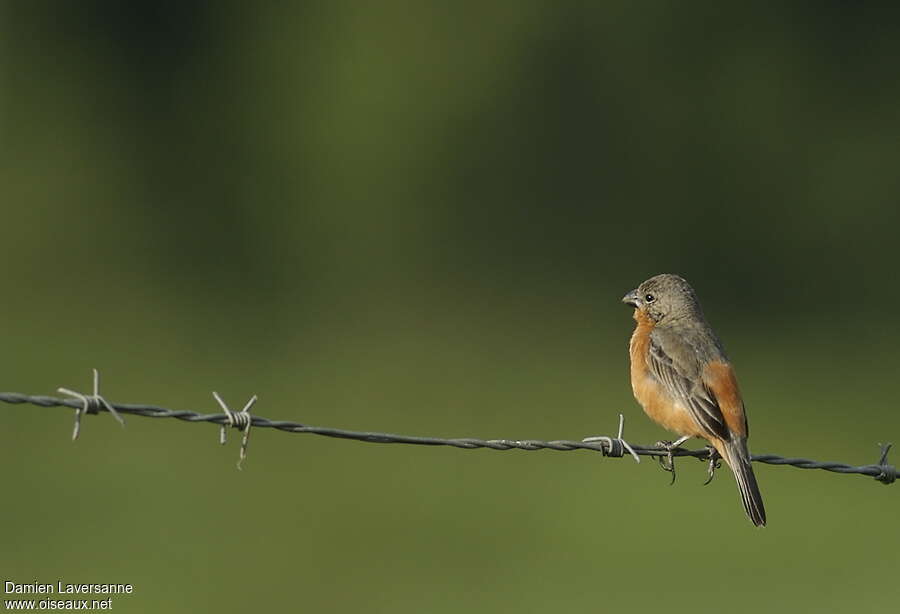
888	472
91	404
237	419
615	446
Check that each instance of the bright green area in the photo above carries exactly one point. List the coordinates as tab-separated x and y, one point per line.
419	218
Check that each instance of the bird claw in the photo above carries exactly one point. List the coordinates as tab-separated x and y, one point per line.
715	461
667	462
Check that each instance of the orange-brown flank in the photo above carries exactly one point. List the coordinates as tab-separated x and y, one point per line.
719	378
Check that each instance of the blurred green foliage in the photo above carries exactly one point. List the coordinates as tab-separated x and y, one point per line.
419	217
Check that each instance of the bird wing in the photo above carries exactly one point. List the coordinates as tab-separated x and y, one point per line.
683	381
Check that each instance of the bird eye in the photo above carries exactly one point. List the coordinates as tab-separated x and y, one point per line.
649	298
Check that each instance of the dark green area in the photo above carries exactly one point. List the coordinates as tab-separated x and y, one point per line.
419	218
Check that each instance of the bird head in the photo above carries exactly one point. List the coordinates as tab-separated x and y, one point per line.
664	298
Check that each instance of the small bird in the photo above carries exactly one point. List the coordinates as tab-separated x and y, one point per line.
684	381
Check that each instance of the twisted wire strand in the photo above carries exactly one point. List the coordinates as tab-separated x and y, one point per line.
882	472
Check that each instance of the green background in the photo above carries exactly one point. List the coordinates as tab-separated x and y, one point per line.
419	218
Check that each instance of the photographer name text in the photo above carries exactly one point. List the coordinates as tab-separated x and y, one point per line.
62	588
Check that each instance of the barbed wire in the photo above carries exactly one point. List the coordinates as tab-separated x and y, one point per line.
615	447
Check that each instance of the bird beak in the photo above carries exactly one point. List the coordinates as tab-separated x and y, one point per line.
632	299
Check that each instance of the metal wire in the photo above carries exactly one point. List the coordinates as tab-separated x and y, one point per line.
608	446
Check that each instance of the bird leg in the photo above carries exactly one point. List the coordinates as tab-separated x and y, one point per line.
667	462
715	461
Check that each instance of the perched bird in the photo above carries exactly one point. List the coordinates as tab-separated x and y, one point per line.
682	378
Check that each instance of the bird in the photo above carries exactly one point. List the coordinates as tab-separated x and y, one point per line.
684	381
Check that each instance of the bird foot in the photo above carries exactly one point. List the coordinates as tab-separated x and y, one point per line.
667	462
715	461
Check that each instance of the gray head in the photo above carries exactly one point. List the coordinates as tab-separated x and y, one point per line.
665	298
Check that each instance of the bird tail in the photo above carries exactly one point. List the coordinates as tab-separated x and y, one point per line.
738	458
